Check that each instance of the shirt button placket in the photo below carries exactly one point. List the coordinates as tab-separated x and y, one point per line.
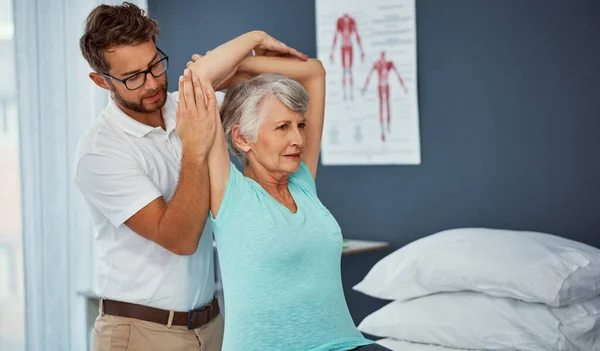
170	146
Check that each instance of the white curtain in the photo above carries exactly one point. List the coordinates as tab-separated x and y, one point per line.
57	102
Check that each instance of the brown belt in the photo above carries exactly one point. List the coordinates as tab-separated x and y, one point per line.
192	319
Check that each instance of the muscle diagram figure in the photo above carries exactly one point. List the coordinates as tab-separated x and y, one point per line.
345	27
383	68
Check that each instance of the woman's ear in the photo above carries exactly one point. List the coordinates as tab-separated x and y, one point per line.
239	140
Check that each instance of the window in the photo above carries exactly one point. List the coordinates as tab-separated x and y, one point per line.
12	305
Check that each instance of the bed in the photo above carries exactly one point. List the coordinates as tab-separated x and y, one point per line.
487	289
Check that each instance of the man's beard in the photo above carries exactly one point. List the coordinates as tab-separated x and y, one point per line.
138	106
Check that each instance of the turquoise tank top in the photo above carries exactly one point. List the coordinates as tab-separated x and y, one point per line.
280	270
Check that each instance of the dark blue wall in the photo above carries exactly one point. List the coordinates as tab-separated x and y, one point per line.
509	95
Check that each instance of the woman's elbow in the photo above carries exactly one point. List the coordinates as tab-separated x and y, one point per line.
318	68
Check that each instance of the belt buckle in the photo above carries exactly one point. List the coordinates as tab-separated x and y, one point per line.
190	320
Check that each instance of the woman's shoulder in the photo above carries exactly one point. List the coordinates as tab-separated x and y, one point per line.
236	196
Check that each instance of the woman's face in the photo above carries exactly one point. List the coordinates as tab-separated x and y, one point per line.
281	138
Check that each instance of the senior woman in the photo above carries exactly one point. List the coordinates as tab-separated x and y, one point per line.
279	247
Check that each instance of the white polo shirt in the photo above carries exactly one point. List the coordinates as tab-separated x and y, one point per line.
121	165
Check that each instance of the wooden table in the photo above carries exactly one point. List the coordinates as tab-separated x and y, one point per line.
358	246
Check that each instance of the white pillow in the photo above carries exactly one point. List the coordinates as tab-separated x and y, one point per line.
474	320
580	323
529	266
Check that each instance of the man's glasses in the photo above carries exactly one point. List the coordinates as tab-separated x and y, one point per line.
138	80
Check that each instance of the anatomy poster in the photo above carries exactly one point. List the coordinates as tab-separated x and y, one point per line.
369	51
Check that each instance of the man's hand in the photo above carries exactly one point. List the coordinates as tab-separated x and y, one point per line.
195	118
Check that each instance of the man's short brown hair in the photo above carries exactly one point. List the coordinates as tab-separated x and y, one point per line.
108	27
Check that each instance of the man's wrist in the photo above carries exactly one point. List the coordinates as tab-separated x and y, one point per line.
193	154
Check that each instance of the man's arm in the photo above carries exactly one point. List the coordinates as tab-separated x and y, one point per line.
178	226
122	191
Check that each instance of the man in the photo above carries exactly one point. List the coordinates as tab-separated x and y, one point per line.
144	178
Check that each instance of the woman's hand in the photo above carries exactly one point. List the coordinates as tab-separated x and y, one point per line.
221	64
269	46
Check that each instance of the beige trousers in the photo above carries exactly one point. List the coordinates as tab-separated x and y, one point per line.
113	333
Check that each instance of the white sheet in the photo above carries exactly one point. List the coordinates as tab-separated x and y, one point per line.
399	345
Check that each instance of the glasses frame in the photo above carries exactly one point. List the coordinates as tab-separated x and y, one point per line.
144	72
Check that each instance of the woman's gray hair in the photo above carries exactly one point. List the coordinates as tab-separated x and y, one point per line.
241	105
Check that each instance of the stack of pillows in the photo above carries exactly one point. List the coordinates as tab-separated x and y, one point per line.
488	289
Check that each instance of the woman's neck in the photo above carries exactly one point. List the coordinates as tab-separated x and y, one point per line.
272	183
275	184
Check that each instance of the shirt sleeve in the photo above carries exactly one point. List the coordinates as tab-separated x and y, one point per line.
303	176
118	187
237	187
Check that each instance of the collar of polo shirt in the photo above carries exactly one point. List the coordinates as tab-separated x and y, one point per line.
138	129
